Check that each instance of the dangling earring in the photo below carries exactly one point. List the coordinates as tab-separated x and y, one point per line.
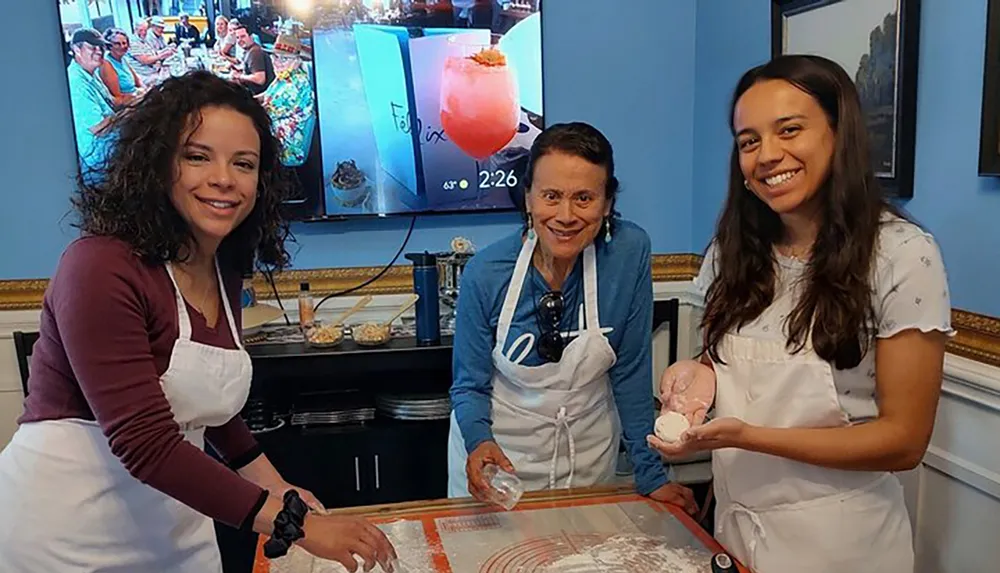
531	229
607	230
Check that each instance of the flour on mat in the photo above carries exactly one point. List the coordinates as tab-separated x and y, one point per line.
410	547
299	561
631	554
402	566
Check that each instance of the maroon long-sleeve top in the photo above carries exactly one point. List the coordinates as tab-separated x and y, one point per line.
108	326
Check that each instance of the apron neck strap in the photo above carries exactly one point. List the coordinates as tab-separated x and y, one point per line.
517	284
184	319
590	288
514	289
237	337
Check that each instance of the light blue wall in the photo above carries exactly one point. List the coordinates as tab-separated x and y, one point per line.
657	80
631	75
631	71
731	37
950	199
959	207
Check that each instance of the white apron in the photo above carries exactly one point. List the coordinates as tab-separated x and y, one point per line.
557	422
69	505
777	515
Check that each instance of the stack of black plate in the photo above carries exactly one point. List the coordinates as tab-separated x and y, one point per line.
414	407
334	408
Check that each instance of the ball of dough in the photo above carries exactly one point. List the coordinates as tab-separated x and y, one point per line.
670	426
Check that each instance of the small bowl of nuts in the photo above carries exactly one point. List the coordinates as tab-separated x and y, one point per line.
325	336
371	334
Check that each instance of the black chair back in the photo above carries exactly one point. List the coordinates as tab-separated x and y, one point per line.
668	311
24	342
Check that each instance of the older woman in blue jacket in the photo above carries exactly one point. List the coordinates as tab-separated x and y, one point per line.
553	362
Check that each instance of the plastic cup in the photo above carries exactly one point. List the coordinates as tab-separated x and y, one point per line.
506	488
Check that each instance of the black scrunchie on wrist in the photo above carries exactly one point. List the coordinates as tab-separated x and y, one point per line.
287	525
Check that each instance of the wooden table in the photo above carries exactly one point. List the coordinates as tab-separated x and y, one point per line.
466	536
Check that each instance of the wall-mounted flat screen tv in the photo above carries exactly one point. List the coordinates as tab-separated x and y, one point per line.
382	107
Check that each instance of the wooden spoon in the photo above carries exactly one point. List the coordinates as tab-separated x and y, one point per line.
357	306
413	300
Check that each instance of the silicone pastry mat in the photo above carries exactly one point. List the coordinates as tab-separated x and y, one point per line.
548	532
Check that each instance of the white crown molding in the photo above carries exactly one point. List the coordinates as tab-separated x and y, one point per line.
972	381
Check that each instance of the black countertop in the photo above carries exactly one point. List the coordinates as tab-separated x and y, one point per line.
400	354
395	346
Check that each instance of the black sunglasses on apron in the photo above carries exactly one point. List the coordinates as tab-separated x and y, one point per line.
549	313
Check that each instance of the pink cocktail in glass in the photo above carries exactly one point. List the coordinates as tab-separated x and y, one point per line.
480	110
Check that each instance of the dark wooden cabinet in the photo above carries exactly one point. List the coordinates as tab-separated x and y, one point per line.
408	461
328	461
378	461
385	461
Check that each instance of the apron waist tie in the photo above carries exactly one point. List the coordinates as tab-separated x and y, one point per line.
758	533
562	423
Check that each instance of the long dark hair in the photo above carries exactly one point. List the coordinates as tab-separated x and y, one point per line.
836	301
581	140
126	195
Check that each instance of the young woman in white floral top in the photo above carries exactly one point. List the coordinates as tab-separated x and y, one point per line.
825	323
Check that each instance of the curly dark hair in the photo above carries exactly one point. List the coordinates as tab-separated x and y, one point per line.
126	195
836	302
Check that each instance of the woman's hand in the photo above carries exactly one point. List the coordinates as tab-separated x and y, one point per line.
279	487
485	453
719	433
340	538
688	387
676	494
262	473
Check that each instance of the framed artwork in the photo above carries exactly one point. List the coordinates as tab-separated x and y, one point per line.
877	43
989	128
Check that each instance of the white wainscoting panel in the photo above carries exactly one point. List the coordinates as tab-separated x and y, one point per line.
955	497
10	411
11	395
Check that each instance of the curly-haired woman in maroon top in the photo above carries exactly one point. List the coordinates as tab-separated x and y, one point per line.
139	360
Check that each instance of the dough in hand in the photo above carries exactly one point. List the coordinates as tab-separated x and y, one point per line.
670	426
